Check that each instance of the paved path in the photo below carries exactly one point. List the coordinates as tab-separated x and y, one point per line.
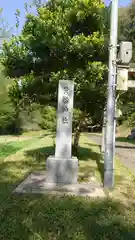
124	150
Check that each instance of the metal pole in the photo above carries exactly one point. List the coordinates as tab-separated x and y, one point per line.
109	153
114	136
103	132
115	124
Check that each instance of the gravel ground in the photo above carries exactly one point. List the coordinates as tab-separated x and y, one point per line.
124	150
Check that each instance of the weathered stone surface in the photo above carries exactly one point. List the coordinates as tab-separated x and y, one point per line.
61	170
64	119
36	183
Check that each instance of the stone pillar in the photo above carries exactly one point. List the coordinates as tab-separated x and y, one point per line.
63	168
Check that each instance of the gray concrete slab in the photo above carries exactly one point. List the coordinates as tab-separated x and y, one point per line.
36	183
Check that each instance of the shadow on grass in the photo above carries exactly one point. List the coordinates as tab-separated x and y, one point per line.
40	154
35	159
66	218
98	157
84	154
99	160
12	173
63	218
124	147
125	140
117	146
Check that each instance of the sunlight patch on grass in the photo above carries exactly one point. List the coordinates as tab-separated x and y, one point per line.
8	139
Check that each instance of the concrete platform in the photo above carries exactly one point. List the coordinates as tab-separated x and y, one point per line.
36	183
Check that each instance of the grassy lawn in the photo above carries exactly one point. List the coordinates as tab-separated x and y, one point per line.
123	132
38	217
125	140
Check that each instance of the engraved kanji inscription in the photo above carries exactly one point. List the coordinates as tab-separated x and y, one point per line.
65	100
66	88
65	119
65	109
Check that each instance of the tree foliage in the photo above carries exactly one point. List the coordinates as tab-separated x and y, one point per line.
126	24
8	116
64	40
127	33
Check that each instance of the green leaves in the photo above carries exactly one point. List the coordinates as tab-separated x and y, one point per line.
63	41
7	111
88	46
48	118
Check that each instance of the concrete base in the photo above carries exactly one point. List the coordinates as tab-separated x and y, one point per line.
62	171
36	183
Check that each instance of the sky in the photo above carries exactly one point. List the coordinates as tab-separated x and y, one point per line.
121	2
10	6
9	9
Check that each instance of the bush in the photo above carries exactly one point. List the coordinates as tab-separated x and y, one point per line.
48	118
9	121
30	118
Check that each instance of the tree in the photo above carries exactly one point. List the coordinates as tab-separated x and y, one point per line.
8	117
8	114
5	29
127	23
63	41
127	33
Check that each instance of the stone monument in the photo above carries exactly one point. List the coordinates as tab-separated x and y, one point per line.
63	168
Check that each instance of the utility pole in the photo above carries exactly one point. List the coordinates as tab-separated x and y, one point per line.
103	132
109	148
115	124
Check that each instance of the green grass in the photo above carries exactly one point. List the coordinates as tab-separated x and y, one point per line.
9	148
38	217
65	218
125	139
